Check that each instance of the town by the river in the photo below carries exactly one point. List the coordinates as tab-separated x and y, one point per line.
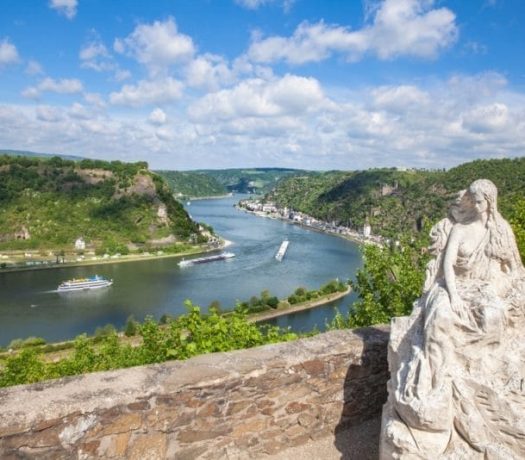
30	305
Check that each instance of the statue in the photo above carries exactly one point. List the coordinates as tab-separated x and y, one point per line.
457	363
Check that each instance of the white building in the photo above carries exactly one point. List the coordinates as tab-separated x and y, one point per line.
367	230
80	244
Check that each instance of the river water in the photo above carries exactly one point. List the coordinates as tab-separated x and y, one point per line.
30	306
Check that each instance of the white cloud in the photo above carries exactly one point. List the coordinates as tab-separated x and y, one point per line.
209	71
488	118
157	46
94	99
49	114
8	53
66	7
148	92
157	117
63	86
255	4
289	121
80	112
398	28
34	68
121	74
95	56
259	98
399	98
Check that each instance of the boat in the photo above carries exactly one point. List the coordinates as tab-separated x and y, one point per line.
84	284
203	260
282	250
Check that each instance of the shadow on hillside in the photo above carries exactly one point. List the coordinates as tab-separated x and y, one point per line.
357	433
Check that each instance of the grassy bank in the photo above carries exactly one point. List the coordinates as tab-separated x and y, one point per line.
263	316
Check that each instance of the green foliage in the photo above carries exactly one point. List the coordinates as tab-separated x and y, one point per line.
388	284
517	220
24	367
301	294
59	200
253	180
188	335
192	184
131	327
16	344
105	331
395	202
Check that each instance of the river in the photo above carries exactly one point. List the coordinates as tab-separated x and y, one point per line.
30	305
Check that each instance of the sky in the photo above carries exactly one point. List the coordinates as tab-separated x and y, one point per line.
311	84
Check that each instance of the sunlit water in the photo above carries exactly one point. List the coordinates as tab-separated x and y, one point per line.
30	305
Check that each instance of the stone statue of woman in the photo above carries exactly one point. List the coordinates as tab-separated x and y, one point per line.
458	362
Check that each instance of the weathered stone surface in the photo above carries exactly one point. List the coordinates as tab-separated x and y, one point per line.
458	361
121	424
238	405
149	446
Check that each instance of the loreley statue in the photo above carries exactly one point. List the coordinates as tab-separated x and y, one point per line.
457	363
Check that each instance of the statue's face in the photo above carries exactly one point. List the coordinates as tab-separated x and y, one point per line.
479	202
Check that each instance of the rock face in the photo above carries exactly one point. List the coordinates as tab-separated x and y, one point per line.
457	363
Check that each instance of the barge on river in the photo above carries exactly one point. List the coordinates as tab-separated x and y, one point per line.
282	250
203	260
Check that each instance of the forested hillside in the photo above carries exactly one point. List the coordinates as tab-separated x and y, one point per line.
250	180
48	204
394	201
193	184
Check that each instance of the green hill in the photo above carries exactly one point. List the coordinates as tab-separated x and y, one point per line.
396	201
215	182
193	184
113	206
249	180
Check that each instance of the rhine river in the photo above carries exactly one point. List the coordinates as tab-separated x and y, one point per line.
29	305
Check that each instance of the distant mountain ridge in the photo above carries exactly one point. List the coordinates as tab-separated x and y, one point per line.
207	182
25	153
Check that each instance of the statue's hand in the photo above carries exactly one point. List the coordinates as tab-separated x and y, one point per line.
458	307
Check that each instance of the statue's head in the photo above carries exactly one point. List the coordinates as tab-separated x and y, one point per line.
483	195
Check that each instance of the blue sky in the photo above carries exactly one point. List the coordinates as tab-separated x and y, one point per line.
338	84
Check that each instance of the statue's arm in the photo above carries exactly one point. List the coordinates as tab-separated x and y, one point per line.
451	255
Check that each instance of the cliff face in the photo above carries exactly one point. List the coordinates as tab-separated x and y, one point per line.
111	205
242	404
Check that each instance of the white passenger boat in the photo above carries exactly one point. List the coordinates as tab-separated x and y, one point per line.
84	284
203	260
282	250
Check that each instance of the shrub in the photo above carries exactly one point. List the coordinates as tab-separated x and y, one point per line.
130	329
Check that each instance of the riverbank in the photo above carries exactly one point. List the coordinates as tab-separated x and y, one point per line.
211	197
54	351
318	226
266	315
117	260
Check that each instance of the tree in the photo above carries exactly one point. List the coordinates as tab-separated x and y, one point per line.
131	328
388	284
517	220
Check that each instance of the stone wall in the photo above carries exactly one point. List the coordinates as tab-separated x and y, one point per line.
243	404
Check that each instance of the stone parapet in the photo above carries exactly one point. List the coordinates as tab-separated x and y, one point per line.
241	404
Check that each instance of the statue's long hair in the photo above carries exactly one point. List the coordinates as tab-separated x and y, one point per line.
501	244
